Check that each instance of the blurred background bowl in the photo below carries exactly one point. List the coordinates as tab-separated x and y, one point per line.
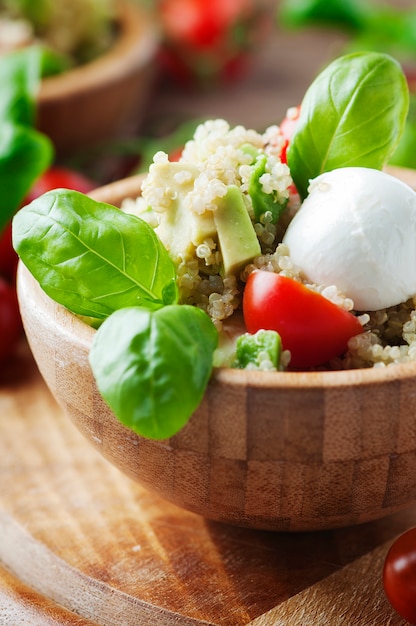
105	98
283	451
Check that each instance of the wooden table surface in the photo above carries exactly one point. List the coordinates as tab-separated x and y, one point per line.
82	544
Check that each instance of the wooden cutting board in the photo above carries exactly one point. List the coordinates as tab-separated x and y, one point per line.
80	543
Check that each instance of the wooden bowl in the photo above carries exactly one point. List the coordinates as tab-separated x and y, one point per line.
105	98
278	451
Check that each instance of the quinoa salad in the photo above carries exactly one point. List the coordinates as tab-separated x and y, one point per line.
291	249
79	30
219	153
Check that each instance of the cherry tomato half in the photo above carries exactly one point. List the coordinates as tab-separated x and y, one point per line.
10	321
314	329
399	575
287	128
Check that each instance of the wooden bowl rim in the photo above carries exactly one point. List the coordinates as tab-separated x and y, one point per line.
82	334
114	193
134	47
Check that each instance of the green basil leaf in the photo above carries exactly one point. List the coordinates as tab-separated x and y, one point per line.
152	368
353	114
405	153
24	155
91	257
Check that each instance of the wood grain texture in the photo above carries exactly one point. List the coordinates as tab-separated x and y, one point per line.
283	451
339	600
22	606
83	542
105	98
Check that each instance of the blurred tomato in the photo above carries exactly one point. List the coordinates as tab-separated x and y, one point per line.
199	23
207	40
8	257
60	177
55	177
10	321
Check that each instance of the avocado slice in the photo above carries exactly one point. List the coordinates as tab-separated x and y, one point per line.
180	229
237	238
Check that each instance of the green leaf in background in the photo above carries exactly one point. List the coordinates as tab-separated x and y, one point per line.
353	114
53	63
152	368
388	29
24	155
405	153
91	257
24	152
20	74
350	14
372	26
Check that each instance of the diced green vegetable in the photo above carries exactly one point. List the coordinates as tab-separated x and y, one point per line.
260	351
263	202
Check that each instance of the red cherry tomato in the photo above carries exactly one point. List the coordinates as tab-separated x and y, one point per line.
176	154
10	321
287	128
8	257
52	179
198	23
314	329
205	40
399	575
60	177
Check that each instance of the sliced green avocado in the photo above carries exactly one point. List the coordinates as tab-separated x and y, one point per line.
181	230
236	235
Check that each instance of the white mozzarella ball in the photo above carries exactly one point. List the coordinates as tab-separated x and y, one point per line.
357	230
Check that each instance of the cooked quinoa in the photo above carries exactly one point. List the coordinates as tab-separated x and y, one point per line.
219	156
